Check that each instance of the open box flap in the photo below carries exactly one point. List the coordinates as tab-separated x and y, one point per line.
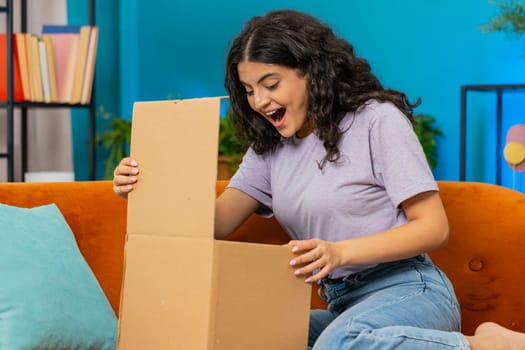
176	146
256	292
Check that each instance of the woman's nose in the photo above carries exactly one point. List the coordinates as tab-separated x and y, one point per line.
260	99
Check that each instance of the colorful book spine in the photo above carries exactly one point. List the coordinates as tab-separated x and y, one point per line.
83	44
89	70
34	69
18	93
51	67
44	70
21	52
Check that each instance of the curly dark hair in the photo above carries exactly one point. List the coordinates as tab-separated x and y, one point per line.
338	80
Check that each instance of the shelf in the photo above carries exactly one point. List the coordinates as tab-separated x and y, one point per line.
493	87
45	105
499	89
11	105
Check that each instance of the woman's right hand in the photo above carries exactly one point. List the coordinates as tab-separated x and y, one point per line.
124	176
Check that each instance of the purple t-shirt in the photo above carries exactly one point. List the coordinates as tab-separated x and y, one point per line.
382	164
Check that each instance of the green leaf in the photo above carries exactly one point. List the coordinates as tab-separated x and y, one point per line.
510	20
427	133
229	144
115	138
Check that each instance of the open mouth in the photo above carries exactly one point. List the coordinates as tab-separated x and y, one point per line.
277	115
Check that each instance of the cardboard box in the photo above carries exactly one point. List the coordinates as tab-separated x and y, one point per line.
183	289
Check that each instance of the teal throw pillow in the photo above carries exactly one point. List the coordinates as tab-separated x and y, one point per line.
49	297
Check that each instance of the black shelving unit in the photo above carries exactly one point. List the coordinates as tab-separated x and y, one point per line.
10	105
499	90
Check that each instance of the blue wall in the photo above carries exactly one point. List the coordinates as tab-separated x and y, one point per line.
428	49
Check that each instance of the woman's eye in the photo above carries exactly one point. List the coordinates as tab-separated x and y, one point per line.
249	93
273	86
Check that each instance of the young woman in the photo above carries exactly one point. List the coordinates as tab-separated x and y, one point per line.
334	157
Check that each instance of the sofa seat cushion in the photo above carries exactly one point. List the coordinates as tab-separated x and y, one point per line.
49	297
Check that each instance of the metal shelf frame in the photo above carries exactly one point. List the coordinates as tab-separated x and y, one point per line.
499	90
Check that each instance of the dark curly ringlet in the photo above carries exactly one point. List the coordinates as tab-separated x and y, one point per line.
338	80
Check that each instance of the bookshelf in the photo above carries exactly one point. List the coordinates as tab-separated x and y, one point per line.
10	104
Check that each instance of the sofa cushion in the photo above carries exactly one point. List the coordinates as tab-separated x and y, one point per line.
49	297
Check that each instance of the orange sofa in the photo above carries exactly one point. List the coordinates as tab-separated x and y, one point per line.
484	257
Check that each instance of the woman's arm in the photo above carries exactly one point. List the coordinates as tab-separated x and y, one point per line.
232	208
425	230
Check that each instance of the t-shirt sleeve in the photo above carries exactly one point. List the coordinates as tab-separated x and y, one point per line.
400	164
253	178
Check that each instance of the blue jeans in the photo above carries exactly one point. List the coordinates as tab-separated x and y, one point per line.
408	304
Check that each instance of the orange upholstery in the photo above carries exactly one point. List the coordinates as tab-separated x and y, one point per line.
484	257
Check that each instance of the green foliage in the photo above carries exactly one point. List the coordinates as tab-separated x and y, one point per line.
427	133
510	20
229	145
115	138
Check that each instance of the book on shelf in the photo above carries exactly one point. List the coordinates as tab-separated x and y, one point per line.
85	32
51	68
89	69
35	72
18	93
44	70
51	29
64	39
21	53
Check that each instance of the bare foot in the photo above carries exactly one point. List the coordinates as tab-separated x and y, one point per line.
492	336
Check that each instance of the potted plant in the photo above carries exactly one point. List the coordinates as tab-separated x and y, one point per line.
115	138
428	133
231	149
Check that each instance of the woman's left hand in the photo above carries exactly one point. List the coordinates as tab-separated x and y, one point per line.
312	255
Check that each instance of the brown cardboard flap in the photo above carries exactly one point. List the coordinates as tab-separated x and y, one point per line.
176	145
166	301
258	294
